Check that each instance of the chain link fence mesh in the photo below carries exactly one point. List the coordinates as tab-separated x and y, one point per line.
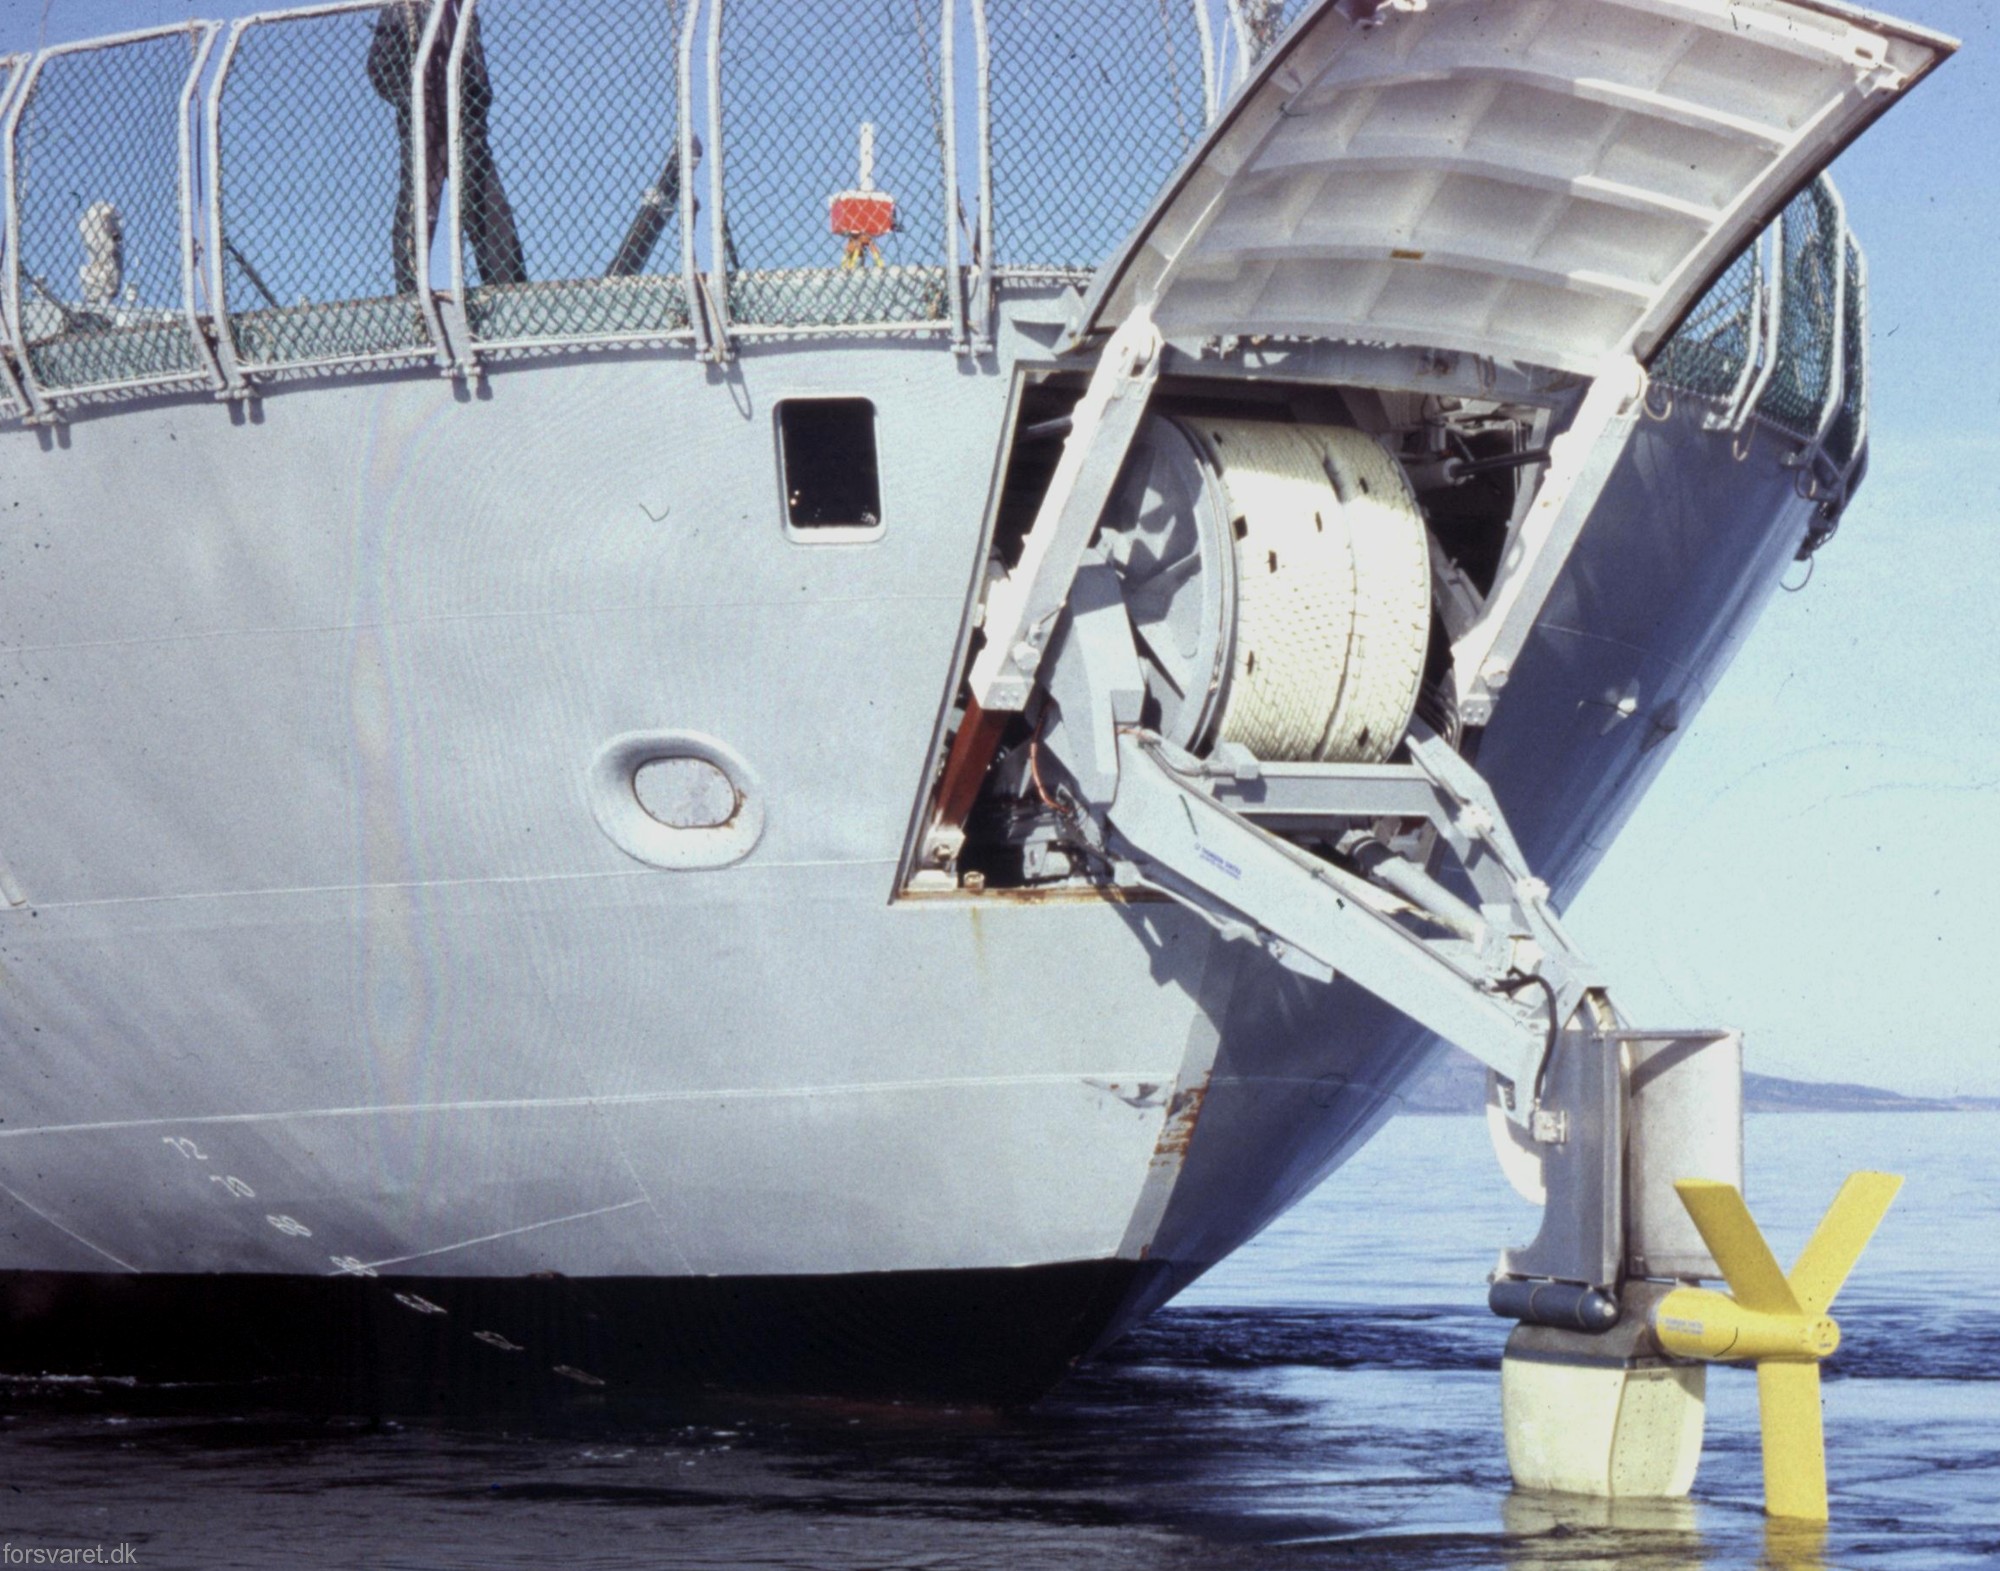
312	180
98	186
1095	102
1844	438
1709	351
569	158
1797	392
798	85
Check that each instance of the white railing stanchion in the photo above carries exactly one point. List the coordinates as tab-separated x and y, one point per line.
1773	323
948	111
718	219
690	274
15	67
190	265
1211	96
32	401
1836	353
420	186
467	354
235	384
1239	34
983	314
1859	371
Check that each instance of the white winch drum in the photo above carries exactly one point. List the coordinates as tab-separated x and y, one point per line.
1278	579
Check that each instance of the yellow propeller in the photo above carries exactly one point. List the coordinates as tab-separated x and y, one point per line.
1776	1321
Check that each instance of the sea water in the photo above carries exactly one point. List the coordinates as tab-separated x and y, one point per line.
1328	1397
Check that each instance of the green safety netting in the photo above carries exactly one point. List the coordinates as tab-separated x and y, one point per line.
837	297
1796	394
1709	351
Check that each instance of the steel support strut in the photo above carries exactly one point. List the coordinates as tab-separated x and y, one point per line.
1309	914
1021	609
1580	465
1154	813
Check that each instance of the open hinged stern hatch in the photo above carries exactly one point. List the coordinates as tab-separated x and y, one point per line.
1548	181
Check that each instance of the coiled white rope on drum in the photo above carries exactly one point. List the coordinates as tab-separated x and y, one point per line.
1333	591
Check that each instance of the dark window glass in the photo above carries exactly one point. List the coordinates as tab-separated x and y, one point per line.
827	452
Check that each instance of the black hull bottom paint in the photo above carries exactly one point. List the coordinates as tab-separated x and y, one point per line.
353	1344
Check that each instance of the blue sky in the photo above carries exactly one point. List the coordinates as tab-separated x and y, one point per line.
1818	860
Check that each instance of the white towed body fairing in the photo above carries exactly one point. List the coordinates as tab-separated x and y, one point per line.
1550	181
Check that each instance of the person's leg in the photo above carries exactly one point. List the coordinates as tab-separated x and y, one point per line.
412	246
488	216
437	166
390	53
402	235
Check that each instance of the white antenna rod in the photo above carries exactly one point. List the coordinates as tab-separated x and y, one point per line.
867	156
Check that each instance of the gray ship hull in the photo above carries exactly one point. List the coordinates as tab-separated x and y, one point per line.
524	867
324	974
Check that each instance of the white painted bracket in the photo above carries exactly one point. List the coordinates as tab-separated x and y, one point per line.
1155	814
1021	609
1302	908
1581	461
1486	847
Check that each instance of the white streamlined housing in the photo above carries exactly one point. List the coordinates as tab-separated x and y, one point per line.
1550	181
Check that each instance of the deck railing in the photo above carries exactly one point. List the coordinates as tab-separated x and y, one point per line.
100	277
1782	338
590	250
307	257
362	184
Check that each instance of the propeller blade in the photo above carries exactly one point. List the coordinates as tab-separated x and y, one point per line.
1794	1441
1739	1248
1842	1234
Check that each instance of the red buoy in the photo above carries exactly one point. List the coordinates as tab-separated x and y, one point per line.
863	215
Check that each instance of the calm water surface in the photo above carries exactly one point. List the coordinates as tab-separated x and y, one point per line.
1327	1398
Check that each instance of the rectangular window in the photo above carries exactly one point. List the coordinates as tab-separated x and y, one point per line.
827	464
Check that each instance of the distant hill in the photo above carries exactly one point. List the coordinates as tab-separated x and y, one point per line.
1457	1084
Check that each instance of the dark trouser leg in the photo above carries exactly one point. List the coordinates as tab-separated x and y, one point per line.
410	245
488	217
402	233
